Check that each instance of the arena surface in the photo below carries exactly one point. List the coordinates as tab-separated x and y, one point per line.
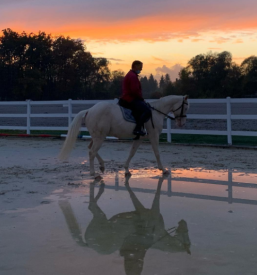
55	219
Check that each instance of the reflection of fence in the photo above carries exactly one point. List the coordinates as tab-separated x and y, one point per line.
69	115
229	183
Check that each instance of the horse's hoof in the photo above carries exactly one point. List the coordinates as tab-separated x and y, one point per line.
128	174
102	169
98	178
166	172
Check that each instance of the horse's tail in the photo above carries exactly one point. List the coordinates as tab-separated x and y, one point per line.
72	135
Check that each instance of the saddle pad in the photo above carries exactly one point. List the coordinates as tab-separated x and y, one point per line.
127	115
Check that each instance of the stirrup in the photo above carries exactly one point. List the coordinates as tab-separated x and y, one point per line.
139	133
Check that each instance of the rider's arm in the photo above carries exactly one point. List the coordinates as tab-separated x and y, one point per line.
135	88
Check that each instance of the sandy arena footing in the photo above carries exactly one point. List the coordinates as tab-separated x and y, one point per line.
55	219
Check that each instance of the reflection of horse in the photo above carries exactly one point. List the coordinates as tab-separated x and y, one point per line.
132	233
105	119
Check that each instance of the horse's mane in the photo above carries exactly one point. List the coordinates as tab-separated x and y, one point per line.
159	102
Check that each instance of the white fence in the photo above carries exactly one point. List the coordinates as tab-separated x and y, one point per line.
69	115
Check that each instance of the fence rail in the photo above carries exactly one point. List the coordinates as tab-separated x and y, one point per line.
169	131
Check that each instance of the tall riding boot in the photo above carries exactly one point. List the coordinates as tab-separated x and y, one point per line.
138	131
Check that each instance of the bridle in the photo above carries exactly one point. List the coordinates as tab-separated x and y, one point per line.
170	117
182	109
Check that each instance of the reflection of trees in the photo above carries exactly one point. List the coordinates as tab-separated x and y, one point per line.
132	233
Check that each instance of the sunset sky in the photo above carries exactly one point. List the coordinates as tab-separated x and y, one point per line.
164	34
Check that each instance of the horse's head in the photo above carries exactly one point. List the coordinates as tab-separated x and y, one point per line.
179	242
182	235
180	110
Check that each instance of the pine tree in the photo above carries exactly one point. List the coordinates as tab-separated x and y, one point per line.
162	83
167	79
153	84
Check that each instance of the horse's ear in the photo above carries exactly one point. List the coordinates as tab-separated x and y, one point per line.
186	97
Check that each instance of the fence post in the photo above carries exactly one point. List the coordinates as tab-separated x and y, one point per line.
168	130
117	181
229	136
69	111
230	185
28	116
169	191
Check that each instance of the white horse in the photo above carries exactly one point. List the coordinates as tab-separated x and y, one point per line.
106	119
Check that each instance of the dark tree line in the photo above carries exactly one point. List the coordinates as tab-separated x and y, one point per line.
42	67
211	75
214	75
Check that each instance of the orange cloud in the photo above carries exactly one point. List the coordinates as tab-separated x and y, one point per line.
158	59
238	41
196	40
220	40
171	22
96	53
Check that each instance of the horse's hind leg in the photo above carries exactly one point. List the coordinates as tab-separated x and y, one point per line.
100	160
93	207
133	150
97	142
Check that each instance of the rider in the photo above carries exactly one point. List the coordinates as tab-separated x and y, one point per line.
132	97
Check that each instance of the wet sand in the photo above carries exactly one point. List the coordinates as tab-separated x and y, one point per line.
51	223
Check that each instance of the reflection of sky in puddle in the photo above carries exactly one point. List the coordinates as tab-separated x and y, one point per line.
117	232
225	185
196	196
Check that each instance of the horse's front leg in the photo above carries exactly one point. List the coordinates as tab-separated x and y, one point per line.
133	150
154	139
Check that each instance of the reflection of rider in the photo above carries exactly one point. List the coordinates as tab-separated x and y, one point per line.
132	97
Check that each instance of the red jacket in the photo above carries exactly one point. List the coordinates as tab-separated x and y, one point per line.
131	87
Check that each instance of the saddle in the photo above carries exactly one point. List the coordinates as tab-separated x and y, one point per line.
128	115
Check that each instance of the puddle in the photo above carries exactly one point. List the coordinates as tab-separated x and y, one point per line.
195	221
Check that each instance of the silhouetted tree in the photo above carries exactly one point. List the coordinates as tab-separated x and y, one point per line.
38	66
153	85
115	89
162	83
210	75
145	87
249	70
167	80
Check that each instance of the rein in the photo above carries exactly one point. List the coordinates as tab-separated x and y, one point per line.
170	117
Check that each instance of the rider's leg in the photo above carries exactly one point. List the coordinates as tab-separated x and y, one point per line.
143	114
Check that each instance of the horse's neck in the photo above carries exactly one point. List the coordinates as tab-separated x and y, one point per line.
166	103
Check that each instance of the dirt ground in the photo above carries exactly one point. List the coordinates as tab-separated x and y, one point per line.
30	166
45	209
